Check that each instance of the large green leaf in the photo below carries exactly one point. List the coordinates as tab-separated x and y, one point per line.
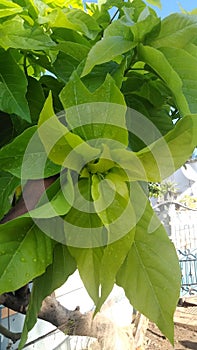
62	146
56	274
177	58
8	184
151	274
177	30
91	119
160	159
116	252
106	50
88	263
25	253
25	157
13	87
17	34
157	61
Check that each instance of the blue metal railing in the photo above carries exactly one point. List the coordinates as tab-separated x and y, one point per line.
188	265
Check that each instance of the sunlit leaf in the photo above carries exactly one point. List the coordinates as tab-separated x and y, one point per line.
62	146
99	121
177	30
106	50
177	59
151	274
157	61
16	34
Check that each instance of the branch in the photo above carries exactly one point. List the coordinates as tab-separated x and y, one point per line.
10	335
32	192
174	202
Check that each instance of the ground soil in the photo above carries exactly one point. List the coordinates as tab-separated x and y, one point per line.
185	338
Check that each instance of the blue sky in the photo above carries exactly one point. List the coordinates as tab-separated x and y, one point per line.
170	6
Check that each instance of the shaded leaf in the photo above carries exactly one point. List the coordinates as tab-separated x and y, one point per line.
35	98
13	87
8	184
26	158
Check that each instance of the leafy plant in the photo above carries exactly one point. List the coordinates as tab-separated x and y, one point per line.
121	83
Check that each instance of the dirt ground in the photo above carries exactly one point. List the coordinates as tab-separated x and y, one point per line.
185	338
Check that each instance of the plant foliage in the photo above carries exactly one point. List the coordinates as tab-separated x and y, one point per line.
126	84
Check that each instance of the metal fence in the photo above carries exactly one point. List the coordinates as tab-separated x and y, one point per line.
184	236
188	265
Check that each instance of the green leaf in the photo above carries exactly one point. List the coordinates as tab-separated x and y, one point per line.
177	30
98	74
106	50
83	227
113	257
35	98
103	122
50	83
75	50
151	274
26	158
8	184
155	3
13	87
163	157
113	206
157	61
56	274
62	146
9	8
177	59
146	28
6	128
25	253
72	19
17	34
88	263
64	65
